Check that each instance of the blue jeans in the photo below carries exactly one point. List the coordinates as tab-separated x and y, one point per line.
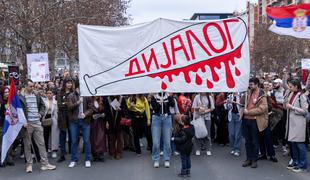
75	128
186	163
250	134
299	154
234	129
161	128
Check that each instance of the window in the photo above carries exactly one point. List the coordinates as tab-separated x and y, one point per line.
209	17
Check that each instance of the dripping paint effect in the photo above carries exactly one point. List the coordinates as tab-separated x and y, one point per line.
209	84
229	78
215	76
163	85
198	80
170	79
237	71
212	63
187	78
203	69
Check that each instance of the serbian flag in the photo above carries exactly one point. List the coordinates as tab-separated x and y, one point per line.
14	121
290	20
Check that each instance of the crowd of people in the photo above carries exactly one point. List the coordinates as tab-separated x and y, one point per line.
272	114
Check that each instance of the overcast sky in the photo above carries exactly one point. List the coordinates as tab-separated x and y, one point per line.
148	10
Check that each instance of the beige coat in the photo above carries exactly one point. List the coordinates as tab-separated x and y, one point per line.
296	121
260	112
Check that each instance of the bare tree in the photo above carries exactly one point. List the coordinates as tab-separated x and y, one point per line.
30	26
273	52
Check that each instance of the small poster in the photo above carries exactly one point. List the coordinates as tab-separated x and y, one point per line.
305	63
38	70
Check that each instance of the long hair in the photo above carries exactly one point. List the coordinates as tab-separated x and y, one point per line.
296	82
63	88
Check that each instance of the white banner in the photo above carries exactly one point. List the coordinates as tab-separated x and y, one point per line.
165	55
305	63
38	70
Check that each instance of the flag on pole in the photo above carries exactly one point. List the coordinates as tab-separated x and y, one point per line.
290	20
14	121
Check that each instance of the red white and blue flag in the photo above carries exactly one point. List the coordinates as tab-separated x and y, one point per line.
290	20
14	121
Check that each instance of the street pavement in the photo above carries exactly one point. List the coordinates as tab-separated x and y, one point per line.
220	166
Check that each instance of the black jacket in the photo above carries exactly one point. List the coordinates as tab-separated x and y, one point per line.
168	102
183	140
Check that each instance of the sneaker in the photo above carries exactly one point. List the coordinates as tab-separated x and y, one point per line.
48	167
291	161
176	153
72	164
297	169
161	153
246	163
139	155
87	164
254	164
290	167
156	164
167	164
197	153
29	169
22	156
232	152
209	153
237	154
54	155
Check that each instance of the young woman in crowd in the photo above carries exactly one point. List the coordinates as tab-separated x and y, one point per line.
63	116
98	127
51	130
297	107
115	129
139	110
203	105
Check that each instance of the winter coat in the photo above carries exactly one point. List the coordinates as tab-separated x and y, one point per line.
54	109
296	121
63	118
260	112
183	140
73	107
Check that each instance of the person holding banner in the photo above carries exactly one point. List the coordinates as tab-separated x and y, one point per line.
79	111
161	127
34	110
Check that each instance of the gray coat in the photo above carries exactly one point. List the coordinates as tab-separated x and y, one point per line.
296	121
